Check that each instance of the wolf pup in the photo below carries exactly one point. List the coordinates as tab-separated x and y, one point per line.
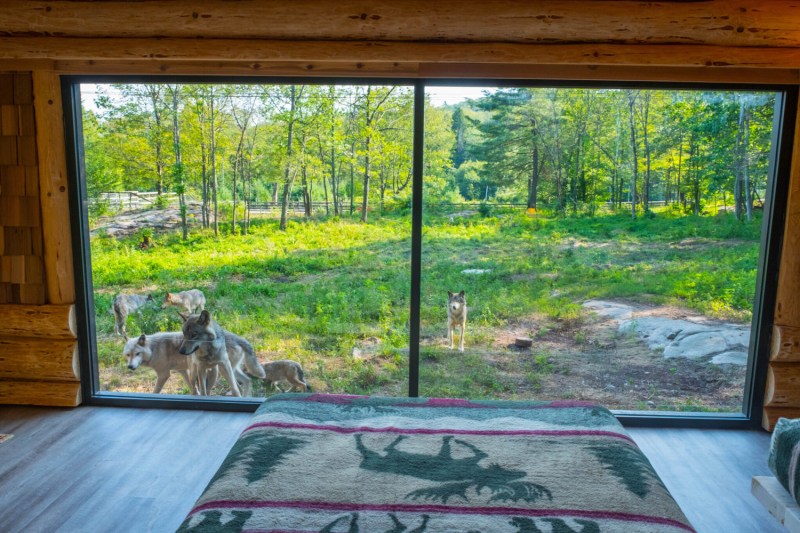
193	301
209	344
125	304
160	352
456	317
288	371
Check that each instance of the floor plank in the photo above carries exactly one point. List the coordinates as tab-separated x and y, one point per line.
709	473
98	469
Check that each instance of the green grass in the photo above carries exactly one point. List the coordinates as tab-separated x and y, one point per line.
326	286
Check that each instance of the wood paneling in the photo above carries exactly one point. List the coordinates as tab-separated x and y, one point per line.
717	22
782	393
53	188
22	272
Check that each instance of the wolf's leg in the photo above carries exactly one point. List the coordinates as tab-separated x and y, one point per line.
186	378
463	333
244	381
227	371
162	378
201	371
449	334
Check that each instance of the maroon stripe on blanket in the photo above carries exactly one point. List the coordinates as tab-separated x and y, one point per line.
442	509
426	431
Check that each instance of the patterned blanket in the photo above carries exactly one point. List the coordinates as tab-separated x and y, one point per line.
355	464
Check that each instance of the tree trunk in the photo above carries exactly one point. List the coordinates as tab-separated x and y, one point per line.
214	166
287	175
180	180
635	175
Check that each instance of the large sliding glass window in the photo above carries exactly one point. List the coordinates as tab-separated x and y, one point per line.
282	210
550	242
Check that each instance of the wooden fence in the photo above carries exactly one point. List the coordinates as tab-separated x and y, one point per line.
132	200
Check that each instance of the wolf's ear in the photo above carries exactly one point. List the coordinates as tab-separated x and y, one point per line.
461	293
205	318
184	317
450	293
142	340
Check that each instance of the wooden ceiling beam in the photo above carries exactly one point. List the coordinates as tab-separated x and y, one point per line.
762	23
163	50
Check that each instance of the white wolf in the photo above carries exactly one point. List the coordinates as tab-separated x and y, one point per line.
160	352
456	317
125	304
193	300
211	346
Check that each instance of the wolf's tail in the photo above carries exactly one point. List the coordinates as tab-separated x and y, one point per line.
251	361
303	378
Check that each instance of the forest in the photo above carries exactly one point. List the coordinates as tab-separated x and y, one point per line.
347	149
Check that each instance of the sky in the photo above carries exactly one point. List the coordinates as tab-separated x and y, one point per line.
439	95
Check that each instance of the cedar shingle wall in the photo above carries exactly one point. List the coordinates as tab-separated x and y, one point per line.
22	276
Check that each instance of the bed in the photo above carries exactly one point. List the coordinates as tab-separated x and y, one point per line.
336	463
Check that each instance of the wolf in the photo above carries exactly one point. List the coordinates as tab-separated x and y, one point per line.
160	352
456	317
125	304
285	370
210	345
193	301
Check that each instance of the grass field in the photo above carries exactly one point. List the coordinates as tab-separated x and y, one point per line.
332	293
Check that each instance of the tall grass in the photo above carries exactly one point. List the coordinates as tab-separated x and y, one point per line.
334	293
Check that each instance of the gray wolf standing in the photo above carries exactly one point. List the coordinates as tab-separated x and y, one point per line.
209	345
456	317
285	370
125	304
193	300
160	352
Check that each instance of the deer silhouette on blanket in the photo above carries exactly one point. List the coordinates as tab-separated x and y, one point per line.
456	475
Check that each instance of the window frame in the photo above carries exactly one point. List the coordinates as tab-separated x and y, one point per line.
772	230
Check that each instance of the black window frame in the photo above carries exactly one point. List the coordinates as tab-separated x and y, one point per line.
783	133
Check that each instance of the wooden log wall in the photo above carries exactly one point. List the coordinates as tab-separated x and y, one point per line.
38	347
749	41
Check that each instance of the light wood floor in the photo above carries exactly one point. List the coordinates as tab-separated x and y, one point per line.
96	469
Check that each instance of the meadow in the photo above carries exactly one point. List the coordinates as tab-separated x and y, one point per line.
333	294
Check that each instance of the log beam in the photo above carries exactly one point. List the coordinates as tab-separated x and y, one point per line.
264	51
716	22
37	359
49	393
38	321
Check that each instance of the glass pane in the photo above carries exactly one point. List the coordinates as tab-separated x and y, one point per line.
606	240
282	210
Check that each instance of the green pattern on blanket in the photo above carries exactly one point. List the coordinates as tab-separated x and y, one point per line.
784	455
337	464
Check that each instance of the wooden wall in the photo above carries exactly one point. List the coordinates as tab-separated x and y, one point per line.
749	41
38	348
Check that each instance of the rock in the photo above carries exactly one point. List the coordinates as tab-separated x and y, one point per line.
476	271
611	310
730	358
722	343
523	342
